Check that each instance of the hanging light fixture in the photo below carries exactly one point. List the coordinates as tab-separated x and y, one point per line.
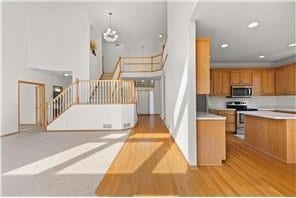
110	35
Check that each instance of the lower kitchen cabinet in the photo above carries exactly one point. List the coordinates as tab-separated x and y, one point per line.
211	145
230	124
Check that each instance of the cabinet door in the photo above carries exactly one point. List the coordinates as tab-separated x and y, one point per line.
211	82
279	81
217	74
235	76
267	82
225	82
290	79
202	66
257	73
245	77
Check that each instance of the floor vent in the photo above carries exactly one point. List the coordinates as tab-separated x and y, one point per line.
107	126
126	125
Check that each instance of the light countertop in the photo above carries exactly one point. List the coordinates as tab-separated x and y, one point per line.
267	108
287	109
223	109
271	115
208	116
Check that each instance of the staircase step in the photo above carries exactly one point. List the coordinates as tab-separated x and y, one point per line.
106	76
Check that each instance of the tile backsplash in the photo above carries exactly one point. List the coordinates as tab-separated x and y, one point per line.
255	101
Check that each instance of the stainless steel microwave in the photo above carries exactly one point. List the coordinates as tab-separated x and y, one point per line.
241	91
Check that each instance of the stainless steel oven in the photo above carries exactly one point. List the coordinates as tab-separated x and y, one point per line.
241	91
240	107
240	123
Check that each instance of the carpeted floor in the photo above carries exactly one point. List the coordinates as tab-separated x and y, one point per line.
37	163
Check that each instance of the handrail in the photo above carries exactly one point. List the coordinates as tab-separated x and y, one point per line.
91	92
116	71
142	64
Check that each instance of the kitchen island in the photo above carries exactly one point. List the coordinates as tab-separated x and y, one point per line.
273	133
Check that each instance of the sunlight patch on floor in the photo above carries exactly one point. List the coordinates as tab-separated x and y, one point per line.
179	167
114	136
137	161
97	163
54	160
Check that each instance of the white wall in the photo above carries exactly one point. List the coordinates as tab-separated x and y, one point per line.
180	78
96	117
95	62
27	104
57	40
1	77
111	52
156	98
15	63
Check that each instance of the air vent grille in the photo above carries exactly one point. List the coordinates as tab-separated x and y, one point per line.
126	125
107	126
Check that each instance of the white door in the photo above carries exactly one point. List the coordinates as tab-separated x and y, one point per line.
143	102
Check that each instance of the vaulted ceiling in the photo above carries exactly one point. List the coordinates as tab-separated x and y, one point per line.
132	20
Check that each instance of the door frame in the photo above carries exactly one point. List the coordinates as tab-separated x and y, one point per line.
42	102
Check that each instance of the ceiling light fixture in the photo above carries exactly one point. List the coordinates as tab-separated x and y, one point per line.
66	74
292	45
110	35
253	24
224	45
261	56
160	36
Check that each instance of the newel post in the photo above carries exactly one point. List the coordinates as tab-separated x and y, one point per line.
151	63
77	91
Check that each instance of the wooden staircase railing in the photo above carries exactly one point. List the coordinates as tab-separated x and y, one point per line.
91	92
142	64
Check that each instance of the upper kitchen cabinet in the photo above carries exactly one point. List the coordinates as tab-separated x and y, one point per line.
267	82
203	66
257	82
285	78
241	77
220	82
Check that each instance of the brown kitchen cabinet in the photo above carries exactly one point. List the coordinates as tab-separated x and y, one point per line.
211	142
263	82
267	82
257	81
220	79
203	66
285	80
279	81
230	123
241	77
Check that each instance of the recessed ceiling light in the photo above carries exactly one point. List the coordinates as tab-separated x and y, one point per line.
253	24
261	56
160	36
66	74
225	45
292	45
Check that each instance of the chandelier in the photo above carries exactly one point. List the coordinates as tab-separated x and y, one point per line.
110	35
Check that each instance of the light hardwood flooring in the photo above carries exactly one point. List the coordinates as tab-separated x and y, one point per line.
150	163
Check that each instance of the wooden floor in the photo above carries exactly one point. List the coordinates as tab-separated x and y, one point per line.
150	163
